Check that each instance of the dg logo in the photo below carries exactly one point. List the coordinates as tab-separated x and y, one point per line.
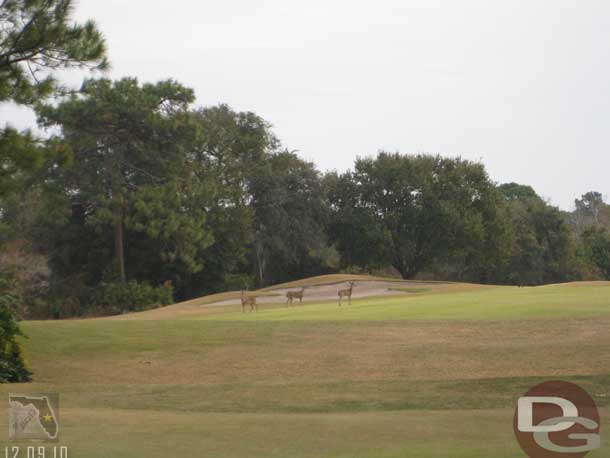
557	420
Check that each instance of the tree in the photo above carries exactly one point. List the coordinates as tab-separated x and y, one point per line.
130	165
515	192
542	246
590	205
169	232
360	237
591	210
12	364
37	39
596	241
229	147
425	208
290	218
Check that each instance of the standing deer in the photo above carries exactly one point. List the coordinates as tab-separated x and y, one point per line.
290	295
346	292
251	301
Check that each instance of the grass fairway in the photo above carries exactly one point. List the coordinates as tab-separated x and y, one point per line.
431	373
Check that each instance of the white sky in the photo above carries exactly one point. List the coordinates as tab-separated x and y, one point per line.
522	85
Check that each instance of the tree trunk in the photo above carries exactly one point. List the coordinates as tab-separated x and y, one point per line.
260	261
119	248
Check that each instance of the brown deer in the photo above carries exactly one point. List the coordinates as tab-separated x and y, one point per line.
251	301
290	295
346	292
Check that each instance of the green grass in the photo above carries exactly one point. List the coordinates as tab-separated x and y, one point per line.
432	374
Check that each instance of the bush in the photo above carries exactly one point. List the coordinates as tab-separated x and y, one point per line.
132	296
12	365
75	298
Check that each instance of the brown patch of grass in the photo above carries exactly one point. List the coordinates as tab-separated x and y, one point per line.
280	352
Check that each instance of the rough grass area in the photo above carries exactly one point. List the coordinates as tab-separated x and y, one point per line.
431	374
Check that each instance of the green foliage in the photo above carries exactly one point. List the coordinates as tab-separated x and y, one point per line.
152	191
132	296
542	249
37	38
130	169
228	145
596	241
591	210
515	192
20	153
25	158
13	368
290	218
411	211
174	219
590	205
12	364
231	141
359	236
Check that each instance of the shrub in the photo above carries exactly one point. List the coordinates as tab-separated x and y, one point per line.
132	296
12	365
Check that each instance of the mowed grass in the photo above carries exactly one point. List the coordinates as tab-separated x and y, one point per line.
430	373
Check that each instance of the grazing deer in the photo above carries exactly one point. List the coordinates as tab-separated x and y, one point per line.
251	301
290	295
346	292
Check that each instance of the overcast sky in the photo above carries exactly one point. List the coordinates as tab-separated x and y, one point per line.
522	86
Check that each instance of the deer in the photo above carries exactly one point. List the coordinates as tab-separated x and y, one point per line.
251	301
346	292
290	295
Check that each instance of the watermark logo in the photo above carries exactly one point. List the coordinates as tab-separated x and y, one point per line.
557	420
33	417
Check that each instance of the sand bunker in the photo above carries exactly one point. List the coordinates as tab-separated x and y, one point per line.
329	292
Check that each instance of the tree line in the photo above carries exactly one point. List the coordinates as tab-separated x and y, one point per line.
137	197
144	198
